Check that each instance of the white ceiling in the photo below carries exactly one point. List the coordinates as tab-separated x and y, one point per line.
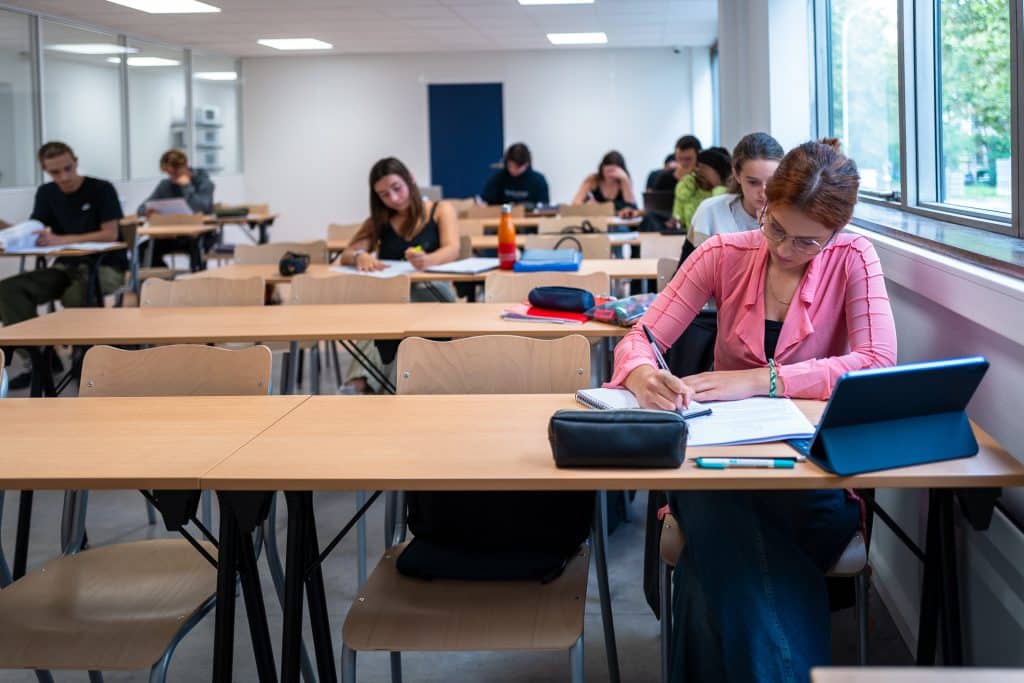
385	26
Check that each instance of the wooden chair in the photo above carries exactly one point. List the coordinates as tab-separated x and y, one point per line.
396	613
590	209
653	245
137	273
666	271
271	253
207	291
342	232
124	606
853	563
594	245
515	287
462	206
518	211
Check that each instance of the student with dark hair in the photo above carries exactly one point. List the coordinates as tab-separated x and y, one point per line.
714	167
668	165
402	226
517	182
73	208
611	183
800	302
182	182
687	149
754	160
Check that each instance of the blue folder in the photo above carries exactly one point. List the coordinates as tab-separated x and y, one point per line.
896	417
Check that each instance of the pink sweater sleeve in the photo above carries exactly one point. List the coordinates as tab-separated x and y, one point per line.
672	311
870	331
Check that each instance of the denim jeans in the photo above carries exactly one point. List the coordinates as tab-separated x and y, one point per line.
749	597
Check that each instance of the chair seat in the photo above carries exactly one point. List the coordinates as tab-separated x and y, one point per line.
398	613
850	563
61	616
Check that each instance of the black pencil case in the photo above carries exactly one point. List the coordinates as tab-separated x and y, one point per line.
618	438
557	298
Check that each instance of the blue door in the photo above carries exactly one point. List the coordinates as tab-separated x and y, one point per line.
466	136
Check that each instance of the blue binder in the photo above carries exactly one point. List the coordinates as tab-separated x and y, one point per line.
896	417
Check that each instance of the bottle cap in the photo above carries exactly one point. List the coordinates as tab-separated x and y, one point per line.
506	208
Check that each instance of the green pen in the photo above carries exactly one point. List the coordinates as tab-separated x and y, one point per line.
725	463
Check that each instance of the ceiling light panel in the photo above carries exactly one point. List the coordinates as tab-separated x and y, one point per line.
598	38
294	43
167	6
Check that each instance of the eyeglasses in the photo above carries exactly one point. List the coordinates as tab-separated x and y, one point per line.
775	233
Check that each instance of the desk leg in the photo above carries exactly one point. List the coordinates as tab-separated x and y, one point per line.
21	540
940	597
263	232
195	255
224	617
295	553
318	619
952	635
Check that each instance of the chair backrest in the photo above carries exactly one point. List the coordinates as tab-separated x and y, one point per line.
271	253
518	211
666	271
653	245
203	291
515	287
176	219
349	289
595	245
462	205
471	226
494	364
465	246
176	370
342	232
591	209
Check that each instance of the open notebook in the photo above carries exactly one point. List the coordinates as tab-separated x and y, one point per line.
617	399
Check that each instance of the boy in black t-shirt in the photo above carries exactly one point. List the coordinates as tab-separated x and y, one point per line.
74	208
517	182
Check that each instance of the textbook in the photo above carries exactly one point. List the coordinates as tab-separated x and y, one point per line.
528	313
617	399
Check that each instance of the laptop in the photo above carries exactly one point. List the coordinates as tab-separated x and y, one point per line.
896	417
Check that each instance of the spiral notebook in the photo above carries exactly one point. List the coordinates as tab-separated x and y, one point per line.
617	399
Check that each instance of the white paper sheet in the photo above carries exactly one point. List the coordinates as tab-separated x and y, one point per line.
394	268
620	237
466	266
752	420
176	206
21	237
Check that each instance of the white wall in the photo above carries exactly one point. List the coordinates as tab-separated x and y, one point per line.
315	125
224	96
156	101
16	155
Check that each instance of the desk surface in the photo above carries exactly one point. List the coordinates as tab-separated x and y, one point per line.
615	268
127	443
112	246
353	443
215	220
280	323
170	231
915	675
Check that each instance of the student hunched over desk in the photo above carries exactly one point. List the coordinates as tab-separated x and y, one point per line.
750	578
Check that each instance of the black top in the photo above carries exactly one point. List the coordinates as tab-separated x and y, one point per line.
392	246
772	328
80	212
198	194
666	180
619	201
527	187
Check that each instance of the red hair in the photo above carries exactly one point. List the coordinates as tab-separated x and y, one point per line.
818	180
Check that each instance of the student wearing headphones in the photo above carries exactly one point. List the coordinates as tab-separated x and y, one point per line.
402	226
800	302
516	182
611	183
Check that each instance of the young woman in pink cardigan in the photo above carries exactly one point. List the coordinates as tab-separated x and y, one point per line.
799	303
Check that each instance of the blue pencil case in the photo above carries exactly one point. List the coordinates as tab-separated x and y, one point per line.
535	260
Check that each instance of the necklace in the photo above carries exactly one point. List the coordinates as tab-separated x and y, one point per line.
771	290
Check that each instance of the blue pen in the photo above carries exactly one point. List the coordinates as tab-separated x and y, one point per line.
724	463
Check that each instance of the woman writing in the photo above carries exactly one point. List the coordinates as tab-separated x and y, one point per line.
799	303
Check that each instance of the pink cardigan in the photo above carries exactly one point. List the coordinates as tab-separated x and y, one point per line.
839	319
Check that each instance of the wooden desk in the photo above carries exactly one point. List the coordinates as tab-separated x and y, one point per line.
260	222
127	443
615	269
111	246
915	675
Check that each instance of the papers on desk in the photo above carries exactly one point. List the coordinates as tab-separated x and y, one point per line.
620	237
466	266
635	220
619	399
21	237
169	206
394	268
752	420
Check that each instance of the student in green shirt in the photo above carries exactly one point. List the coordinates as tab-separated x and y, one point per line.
714	167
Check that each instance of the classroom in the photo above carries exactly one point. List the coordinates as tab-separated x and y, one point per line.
511	340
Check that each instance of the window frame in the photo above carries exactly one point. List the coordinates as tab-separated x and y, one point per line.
919	115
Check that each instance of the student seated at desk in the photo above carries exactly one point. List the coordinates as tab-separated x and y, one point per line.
611	183
800	302
685	156
668	166
754	160
517	182
714	167
74	208
182	182
401	226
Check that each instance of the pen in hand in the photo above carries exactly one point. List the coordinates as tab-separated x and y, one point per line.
654	346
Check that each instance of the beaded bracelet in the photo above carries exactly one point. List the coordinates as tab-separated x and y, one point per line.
773	377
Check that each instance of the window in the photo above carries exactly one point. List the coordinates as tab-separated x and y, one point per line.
215	94
864	77
974	73
17	128
82	96
156	105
